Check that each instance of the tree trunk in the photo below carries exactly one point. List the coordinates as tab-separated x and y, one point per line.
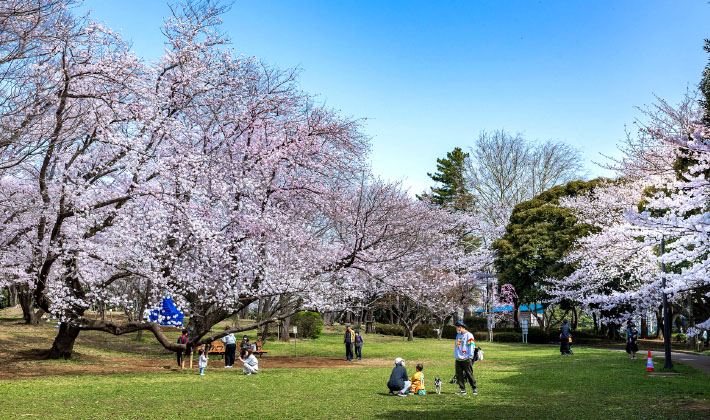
27	304
265	332
64	342
516	307
410	334
575	318
659	324
644	327
596	322
369	322
285	328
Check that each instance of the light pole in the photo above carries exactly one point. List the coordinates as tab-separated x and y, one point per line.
666	313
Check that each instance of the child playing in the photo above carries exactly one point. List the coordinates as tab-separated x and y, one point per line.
418	381
203	361
251	365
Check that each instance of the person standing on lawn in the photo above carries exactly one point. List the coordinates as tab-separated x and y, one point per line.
358	345
349	340
564	338
202	361
230	348
463	352
632	336
181	340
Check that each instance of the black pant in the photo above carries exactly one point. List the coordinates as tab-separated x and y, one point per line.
464	373
229	351
349	351
358	352
564	345
179	358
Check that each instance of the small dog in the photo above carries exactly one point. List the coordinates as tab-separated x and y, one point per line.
437	385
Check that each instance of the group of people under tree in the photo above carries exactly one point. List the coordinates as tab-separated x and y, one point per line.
250	364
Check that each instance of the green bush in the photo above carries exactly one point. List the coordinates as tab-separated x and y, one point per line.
508	337
425	331
679	337
310	324
449	332
389	329
475	323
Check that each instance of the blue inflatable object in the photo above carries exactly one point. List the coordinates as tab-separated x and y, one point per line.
168	315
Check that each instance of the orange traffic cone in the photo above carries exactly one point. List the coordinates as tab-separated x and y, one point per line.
649	364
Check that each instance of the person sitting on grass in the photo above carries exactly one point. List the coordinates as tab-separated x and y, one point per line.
202	363
418	381
251	365
399	380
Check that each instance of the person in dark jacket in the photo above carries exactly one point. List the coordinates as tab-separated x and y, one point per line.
564	338
632	336
399	380
181	340
243	347
358	345
349	340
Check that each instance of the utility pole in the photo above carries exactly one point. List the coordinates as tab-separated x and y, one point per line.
666	313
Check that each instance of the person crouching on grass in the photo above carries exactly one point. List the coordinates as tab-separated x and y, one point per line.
202	363
399	380
251	365
463	351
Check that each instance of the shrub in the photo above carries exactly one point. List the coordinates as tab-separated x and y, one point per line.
475	323
310	324
425	331
449	332
389	329
508	337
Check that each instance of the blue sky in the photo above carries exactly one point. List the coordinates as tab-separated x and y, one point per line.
430	76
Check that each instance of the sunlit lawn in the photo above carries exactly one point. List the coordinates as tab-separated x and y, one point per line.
515	381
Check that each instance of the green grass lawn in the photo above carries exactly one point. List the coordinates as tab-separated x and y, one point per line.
515	381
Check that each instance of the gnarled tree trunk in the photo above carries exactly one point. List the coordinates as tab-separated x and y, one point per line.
63	345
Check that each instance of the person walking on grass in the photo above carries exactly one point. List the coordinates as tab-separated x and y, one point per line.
463	352
632	336
251	365
349	340
181	340
202	361
358	345
399	381
564	338
230	348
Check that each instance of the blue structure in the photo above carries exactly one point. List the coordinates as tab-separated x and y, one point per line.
168	315
509	308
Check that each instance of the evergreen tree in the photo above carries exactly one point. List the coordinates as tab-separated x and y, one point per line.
451	191
537	237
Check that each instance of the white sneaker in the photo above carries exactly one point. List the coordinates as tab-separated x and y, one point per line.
202	374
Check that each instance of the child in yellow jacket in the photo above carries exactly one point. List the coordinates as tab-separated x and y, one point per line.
417	381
